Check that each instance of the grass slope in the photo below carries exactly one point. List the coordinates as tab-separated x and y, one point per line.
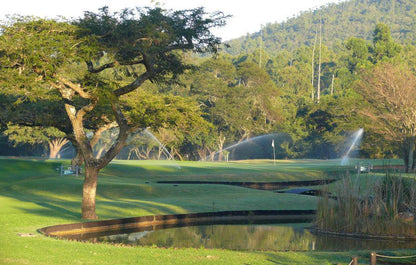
34	195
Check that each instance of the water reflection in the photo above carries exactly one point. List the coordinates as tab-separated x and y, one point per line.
250	237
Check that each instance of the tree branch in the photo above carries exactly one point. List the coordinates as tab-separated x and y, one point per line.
77	88
91	68
103	67
99	131
121	139
88	108
183	46
134	85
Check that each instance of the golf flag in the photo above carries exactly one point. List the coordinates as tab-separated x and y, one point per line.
273	143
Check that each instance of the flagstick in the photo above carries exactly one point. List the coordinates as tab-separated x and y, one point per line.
274	153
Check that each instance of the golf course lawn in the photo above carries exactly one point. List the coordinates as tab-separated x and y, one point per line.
34	195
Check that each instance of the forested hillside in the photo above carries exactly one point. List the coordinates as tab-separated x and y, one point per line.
339	22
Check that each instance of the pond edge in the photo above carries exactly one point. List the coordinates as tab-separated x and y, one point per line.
361	235
161	221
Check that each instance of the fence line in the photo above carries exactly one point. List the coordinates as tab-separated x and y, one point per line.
395	257
374	255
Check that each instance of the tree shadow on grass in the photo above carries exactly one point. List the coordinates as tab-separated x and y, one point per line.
53	210
122	209
118	195
63	212
113	201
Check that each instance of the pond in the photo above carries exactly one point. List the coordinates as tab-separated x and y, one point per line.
265	237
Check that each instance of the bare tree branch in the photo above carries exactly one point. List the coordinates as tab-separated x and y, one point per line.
134	85
76	87
103	67
97	134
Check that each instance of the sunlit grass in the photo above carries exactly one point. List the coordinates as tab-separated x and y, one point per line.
34	195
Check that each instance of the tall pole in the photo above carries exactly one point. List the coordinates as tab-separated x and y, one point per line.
318	90
274	153
313	65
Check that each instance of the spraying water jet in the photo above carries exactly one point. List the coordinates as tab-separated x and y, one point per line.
356	139
259	147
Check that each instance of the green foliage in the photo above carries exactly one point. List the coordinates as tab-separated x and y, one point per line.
41	56
360	55
31	135
238	98
353	18
151	36
39	48
384	48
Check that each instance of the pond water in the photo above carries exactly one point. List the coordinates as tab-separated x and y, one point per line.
270	237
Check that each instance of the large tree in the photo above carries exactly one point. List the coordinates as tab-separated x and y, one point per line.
95	63
389	91
33	135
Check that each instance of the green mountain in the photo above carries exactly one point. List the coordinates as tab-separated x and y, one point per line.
340	21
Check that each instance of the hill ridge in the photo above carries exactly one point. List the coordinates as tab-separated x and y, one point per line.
340	21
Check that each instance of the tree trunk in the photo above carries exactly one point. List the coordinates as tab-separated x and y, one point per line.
55	146
313	65
221	141
414	161
85	148
78	159
212	155
406	162
318	89
147	152
53	151
174	151
100	151
159	153
88	193
410	154
202	153
245	136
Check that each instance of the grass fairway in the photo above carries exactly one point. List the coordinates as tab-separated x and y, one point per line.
33	195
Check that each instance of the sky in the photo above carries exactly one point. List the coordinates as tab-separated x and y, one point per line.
247	16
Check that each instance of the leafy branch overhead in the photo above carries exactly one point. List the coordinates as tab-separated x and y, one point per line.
148	39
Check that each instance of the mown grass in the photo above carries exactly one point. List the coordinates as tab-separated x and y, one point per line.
33	195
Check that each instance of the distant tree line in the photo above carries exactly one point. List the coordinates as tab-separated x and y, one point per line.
263	90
